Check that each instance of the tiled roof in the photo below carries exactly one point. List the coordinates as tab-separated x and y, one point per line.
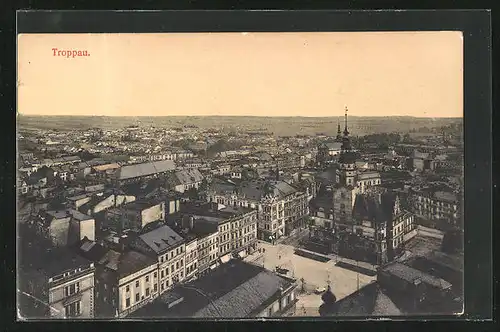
161	239
245	298
145	169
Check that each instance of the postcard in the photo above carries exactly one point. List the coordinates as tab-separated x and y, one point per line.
240	175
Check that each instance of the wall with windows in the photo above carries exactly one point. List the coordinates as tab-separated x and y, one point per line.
136	290
172	267
224	242
283	305
72	295
191	258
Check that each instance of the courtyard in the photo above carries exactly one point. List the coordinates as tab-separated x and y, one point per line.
314	274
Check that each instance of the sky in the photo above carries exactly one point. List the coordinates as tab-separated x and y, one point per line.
312	74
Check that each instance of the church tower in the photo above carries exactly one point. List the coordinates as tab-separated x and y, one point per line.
346	171
339	134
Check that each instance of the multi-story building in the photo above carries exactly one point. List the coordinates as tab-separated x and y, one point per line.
64	227
235	228
281	208
379	230
202	243
126	281
235	290
71	293
432	204
208	253
135	215
192	253
53	282
169	248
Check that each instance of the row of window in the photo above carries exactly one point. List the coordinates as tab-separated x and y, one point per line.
224	248
72	289
73	310
138	298
191	268
168	256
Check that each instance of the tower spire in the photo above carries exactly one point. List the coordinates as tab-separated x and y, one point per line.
339	132
346	132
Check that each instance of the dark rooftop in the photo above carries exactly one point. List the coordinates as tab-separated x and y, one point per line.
378	208
369	300
39	254
235	289
126	263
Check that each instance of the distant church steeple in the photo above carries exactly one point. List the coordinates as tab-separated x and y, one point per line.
346	142
339	133
346	172
346	132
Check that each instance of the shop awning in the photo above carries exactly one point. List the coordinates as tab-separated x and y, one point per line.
242	254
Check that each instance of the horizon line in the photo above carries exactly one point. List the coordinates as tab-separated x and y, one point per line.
239	116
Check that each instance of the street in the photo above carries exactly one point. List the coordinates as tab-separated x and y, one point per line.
314	274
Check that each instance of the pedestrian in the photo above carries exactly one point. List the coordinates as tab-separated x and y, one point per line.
279	257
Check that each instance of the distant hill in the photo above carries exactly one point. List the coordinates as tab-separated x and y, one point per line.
280	126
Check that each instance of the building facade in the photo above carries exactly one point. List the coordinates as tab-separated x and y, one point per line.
169	249
71	293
